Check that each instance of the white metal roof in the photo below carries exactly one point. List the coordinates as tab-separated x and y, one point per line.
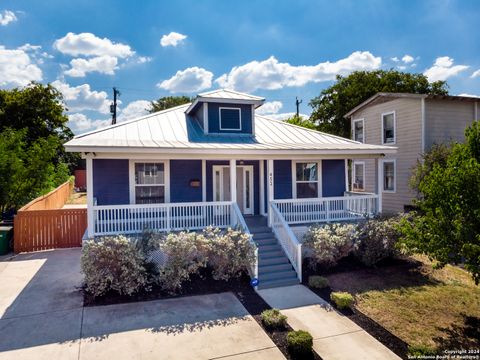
226	95
173	129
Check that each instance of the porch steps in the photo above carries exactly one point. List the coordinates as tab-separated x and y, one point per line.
274	268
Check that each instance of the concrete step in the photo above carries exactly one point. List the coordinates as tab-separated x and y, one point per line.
285	274
266	269
278	260
277	283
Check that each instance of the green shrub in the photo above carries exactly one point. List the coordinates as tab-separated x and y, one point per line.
299	344
273	318
113	263
329	243
342	300
229	252
376	240
318	282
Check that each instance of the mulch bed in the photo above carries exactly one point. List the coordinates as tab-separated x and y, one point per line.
395	344
204	284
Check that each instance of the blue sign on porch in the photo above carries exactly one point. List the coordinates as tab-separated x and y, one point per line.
254	282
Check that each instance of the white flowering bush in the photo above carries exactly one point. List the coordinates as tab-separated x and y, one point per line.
229	252
376	240
113	263
329	243
185	255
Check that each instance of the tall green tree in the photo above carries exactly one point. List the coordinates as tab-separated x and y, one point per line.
300	121
330	107
168	102
447	224
40	110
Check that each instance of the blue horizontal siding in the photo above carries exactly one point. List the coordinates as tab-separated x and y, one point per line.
181	173
333	177
282	179
110	181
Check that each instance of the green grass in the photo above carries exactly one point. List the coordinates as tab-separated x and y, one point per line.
425	307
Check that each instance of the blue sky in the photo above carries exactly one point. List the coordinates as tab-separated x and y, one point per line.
276	49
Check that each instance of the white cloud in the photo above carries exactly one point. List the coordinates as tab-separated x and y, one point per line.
407	59
102	64
172	39
270	107
443	68
285	116
81	97
81	123
271	75
395	59
189	80
134	109
6	17
87	44
469	95
475	74
17	67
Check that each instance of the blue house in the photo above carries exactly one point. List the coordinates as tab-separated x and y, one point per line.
215	162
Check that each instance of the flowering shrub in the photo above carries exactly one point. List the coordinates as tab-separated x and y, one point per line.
229	252
113	263
185	255
376	240
329	243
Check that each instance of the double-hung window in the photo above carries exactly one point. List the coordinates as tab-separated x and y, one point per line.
358	175
389	172
306	179
149	182
358	132
388	128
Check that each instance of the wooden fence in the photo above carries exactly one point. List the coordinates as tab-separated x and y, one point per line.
43	224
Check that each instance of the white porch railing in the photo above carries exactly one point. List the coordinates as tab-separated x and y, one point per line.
239	222
287	239
328	209
130	219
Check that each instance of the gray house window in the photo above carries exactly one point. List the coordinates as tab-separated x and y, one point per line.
358	132
306	180
149	183
230	119
389	175
388	128
358	175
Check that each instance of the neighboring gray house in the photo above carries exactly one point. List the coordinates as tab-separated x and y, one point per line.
412	123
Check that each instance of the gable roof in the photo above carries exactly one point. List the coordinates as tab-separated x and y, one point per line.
173	130
226	95
387	96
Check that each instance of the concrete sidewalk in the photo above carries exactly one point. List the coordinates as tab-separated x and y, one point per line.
335	336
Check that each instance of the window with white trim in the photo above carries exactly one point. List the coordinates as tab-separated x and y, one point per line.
306	180
358	130
358	175
149	182
389	173
230	118
388	128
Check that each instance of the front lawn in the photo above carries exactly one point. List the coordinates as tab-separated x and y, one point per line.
425	307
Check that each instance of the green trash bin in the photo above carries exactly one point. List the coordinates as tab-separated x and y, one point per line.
6	233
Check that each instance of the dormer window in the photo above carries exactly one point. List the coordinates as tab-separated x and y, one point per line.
230	118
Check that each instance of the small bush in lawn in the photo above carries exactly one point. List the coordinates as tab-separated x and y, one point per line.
113	263
376	240
274	319
342	300
318	282
299	344
229	252
329	243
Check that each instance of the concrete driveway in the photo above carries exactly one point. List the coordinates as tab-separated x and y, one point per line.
42	317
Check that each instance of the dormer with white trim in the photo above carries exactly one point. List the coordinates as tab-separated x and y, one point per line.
225	112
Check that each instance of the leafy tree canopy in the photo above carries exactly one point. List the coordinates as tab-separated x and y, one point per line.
168	102
27	170
447	225
330	107
299	121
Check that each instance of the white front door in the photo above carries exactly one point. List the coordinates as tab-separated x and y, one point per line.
221	186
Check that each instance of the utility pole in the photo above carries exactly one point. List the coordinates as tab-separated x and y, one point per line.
113	107
297	103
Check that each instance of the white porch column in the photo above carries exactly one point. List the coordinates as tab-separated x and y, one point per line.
204	180
262	186
233	180
90	218
378	162
270	188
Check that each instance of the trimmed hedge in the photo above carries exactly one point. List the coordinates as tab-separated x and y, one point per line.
274	319
318	282
300	344
342	300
